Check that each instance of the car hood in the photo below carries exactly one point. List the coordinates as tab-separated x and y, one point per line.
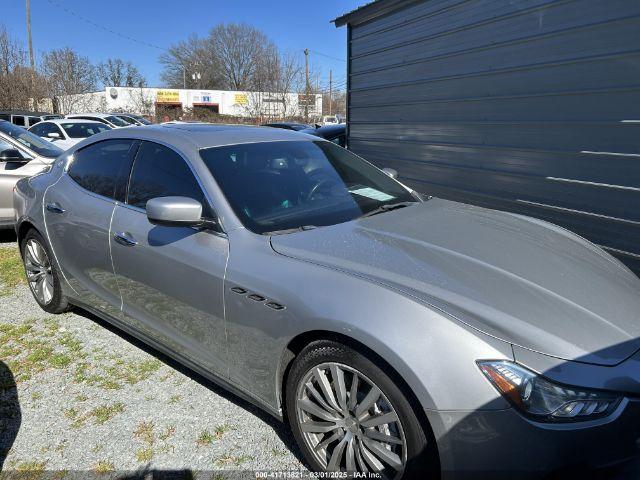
516	278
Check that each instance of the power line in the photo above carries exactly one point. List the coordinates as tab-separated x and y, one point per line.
106	29
328	56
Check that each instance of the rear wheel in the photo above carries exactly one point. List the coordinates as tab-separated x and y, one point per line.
348	415
42	274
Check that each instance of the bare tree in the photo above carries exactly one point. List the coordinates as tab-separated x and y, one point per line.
19	85
240	49
184	59
117	73
67	74
275	77
228	58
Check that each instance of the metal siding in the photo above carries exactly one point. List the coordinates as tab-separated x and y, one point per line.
528	106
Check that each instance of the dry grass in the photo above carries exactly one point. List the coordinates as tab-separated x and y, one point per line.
11	270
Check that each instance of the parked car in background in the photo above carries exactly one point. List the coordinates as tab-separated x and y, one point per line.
336	133
288	125
26	119
22	154
396	334
106	118
67	132
132	119
329	120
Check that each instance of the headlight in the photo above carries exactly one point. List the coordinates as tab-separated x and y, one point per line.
544	400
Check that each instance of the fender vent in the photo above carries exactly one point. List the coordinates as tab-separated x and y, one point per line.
256	297
274	305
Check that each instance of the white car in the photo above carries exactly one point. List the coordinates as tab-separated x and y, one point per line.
22	154
106	118
66	132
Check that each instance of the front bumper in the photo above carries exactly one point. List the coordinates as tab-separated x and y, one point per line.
504	444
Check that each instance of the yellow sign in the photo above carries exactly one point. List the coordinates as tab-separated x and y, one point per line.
241	99
168	96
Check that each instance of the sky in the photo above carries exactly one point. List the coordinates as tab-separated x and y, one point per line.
99	30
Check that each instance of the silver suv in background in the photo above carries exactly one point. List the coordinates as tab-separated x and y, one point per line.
26	119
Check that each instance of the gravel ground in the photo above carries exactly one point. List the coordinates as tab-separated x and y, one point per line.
92	398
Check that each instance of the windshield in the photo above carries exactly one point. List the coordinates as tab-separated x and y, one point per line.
84	130
142	120
31	141
127	120
283	185
117	121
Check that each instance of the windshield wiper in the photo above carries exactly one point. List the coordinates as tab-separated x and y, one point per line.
386	208
290	230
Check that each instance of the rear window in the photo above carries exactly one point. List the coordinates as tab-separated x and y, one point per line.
84	130
102	167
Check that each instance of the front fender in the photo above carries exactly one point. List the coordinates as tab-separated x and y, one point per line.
433	353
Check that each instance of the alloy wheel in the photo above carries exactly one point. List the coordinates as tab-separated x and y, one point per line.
348	423
38	270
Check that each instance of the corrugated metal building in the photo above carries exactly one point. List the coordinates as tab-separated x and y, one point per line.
524	105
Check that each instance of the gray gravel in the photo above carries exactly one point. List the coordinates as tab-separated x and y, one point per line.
90	399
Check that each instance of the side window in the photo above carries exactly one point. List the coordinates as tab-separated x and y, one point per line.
56	129
158	171
39	129
33	120
103	167
18	120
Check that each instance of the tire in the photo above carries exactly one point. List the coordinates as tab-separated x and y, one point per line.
414	457
42	273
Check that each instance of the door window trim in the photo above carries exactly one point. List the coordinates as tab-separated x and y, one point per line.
133	150
205	194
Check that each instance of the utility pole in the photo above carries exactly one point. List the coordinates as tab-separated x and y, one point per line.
31	59
330	90
184	77
306	68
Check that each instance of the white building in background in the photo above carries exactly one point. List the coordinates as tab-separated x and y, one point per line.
147	101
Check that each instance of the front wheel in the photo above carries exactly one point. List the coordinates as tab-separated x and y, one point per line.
42	274
348	415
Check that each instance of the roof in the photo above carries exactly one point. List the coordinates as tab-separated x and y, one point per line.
59	121
204	135
371	10
97	115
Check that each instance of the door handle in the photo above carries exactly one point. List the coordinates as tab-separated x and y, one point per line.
55	208
124	239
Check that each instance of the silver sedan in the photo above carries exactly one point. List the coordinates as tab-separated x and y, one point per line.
396	333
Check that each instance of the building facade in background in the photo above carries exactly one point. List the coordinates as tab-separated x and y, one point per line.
175	102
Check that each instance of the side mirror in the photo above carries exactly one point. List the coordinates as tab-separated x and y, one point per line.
54	135
391	172
175	211
11	155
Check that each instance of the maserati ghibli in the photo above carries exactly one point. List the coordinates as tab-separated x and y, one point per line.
395	333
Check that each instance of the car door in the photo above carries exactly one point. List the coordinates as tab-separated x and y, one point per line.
78	210
171	277
11	160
